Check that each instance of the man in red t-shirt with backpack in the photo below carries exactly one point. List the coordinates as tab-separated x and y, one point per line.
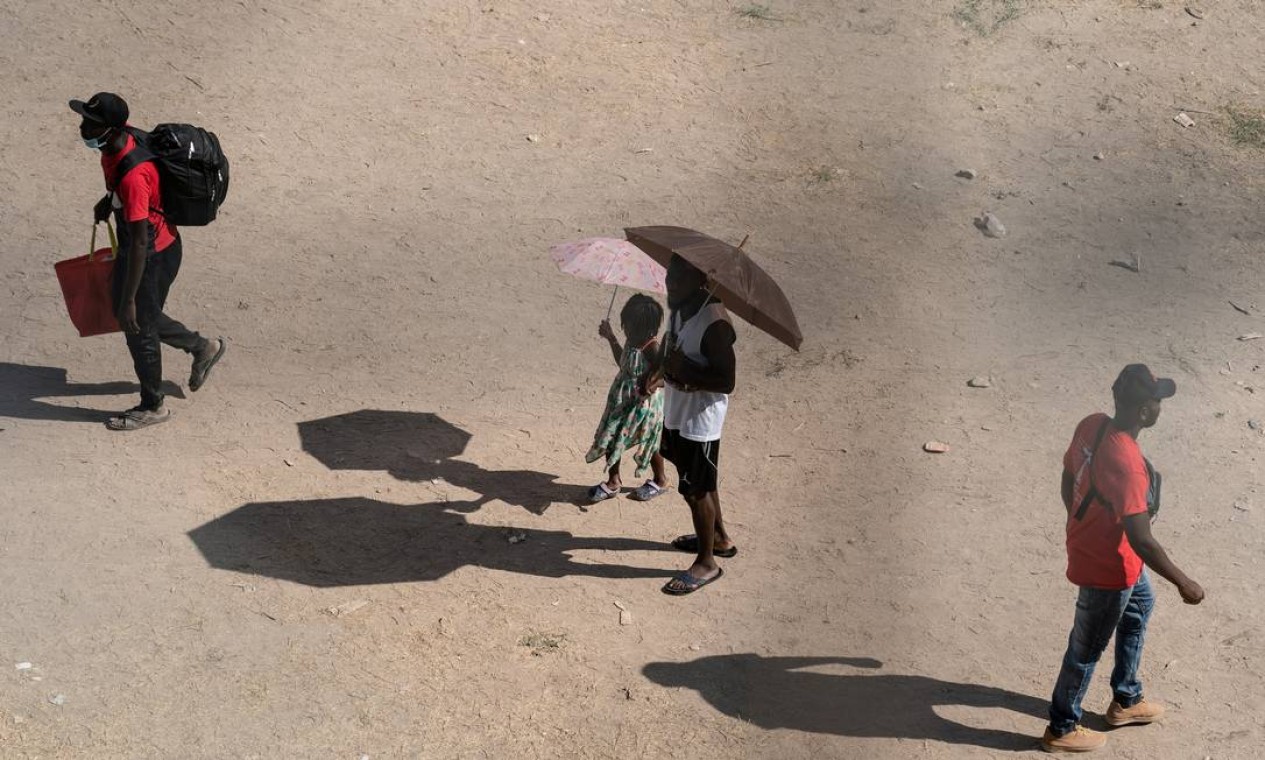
1111	495
148	260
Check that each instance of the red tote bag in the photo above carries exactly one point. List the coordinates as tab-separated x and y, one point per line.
85	283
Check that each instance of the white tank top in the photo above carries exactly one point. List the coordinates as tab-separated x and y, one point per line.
698	415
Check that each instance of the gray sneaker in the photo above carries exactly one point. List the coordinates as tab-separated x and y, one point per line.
137	418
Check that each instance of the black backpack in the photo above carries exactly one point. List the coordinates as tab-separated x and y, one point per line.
192	170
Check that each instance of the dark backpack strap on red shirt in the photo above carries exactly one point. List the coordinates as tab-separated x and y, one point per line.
134	158
1092	493
138	155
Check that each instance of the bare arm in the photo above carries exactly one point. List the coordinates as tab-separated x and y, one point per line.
718	376
617	351
653	356
1138	529
138	237
604	330
652	380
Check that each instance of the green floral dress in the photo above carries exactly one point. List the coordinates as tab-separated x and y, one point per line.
630	421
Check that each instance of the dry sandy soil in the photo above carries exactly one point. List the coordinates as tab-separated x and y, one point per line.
410	382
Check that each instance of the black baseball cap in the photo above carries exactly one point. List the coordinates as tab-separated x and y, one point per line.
1137	384
103	108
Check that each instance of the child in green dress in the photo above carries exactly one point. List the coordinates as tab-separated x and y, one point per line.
633	418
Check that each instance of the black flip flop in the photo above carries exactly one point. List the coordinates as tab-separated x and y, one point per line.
689	545
690	583
202	369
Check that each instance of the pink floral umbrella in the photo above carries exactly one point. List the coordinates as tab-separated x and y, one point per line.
610	261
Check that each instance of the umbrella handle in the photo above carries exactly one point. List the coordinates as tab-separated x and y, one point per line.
712	285
612	304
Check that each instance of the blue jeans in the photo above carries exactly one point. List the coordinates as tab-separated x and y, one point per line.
1099	614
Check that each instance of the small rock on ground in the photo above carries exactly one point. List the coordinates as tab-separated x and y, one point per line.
346	608
990	225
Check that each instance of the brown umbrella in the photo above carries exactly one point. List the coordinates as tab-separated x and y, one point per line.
744	288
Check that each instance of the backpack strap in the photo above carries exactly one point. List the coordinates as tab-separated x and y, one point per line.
134	158
1092	493
1154	483
138	155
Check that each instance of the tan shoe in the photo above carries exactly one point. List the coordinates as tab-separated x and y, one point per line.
1079	739
1142	712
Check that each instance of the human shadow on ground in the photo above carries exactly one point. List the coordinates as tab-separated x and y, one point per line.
22	387
356	541
775	692
420	446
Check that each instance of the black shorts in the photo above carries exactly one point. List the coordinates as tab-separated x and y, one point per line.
696	462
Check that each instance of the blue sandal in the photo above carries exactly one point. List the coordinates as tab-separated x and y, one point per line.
600	492
647	491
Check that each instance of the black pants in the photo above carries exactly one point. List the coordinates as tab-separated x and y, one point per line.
156	327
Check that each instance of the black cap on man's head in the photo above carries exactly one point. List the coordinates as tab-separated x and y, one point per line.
103	108
1137	384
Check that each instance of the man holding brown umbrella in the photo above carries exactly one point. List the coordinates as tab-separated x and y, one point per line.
699	373
706	279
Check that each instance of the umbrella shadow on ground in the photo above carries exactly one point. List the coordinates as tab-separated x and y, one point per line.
22	388
776	692
420	446
357	541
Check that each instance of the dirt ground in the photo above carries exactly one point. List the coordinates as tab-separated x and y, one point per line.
313	558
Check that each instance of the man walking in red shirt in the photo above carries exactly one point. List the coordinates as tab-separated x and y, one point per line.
148	261
1109	496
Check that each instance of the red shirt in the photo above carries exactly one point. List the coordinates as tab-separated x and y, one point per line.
1098	552
138	194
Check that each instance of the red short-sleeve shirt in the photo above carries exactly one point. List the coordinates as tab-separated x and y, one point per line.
139	195
1098	551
